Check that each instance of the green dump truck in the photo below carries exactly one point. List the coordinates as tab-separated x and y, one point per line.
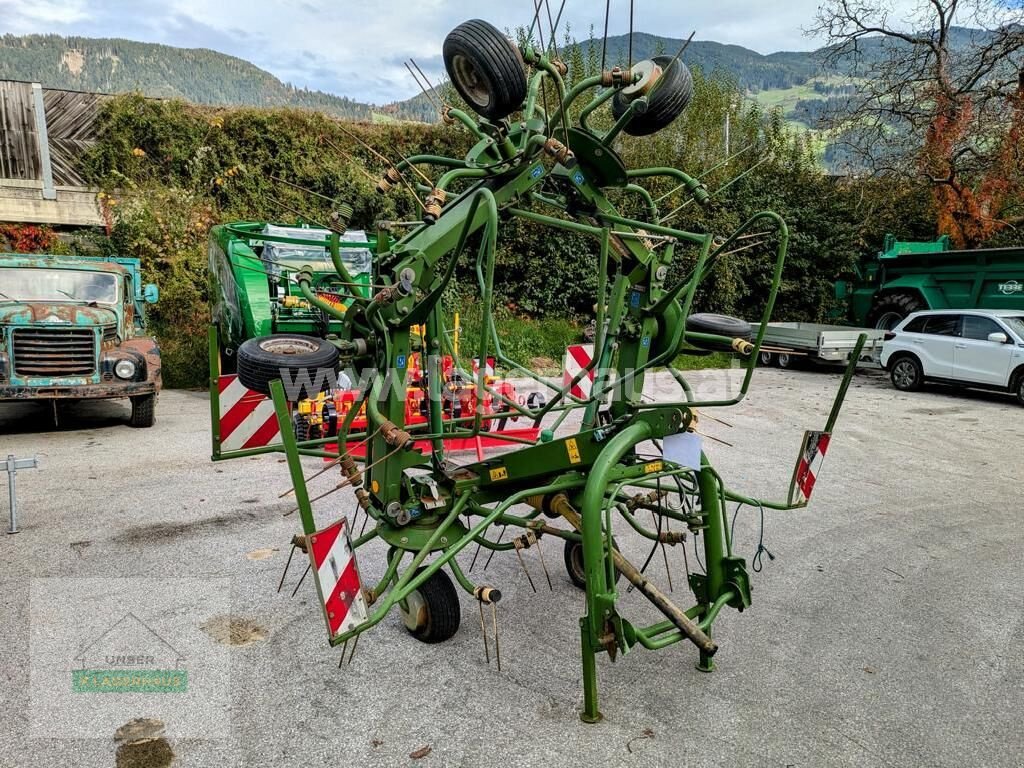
73	328
906	276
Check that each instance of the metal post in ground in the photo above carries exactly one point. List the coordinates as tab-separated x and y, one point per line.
11	467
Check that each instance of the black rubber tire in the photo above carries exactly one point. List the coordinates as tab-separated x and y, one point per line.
784	360
1019	389
441	610
486	69
143	411
304	430
720	325
666	101
766	359
257	367
906	373
889	311
572	555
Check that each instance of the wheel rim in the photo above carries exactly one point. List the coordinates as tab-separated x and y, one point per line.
472	83
288	346
904	374
577	562
766	358
783	361
414	612
888	321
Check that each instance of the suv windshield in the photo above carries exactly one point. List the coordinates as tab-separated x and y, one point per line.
31	284
1016	323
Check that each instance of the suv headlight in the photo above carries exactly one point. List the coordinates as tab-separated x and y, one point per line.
124	369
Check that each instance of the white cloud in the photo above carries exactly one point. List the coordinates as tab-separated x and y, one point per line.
27	16
356	49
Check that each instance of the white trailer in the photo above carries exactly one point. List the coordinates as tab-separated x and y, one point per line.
785	343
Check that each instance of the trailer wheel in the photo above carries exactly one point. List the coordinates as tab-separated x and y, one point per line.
668	96
143	411
888	311
304	360
432	613
572	553
486	69
906	374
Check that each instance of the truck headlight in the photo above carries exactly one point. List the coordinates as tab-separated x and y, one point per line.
124	369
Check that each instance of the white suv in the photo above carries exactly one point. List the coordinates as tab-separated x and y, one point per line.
981	348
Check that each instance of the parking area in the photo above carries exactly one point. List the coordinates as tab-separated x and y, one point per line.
888	630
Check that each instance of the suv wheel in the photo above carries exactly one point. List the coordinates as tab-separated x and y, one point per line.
906	374
1020	388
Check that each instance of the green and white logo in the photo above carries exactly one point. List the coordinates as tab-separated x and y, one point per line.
1011	287
130	657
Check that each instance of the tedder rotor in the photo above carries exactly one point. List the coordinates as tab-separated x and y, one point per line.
574	482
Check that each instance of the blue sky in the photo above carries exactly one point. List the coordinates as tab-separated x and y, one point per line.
356	49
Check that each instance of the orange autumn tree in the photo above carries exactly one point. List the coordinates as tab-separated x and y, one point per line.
938	98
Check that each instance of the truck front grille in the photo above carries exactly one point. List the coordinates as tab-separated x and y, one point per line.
54	352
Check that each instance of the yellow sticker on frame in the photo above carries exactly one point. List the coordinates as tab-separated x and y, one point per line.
573	450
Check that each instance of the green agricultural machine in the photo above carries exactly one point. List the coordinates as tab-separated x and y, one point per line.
602	458
251	279
907	276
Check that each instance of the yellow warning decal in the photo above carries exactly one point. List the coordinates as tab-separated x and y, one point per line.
654	466
573	450
499	473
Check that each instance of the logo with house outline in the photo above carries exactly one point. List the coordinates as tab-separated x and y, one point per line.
129	657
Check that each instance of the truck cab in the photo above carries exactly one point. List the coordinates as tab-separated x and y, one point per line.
73	328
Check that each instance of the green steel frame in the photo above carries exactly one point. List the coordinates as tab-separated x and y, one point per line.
582	477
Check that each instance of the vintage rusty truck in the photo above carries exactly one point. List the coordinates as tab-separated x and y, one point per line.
73	328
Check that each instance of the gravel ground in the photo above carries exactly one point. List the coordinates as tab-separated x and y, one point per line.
887	631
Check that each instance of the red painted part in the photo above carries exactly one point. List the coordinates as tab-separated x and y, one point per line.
484	440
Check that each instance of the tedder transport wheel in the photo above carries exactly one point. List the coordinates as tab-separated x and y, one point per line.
432	612
485	68
718	325
143	411
573	556
889	311
303	359
668	89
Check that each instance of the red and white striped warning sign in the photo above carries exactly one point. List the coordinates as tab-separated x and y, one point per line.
578	357
808	466
247	418
337	578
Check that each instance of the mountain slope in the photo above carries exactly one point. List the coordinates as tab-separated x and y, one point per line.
195	74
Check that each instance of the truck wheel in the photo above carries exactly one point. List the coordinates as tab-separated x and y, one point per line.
906	374
305	361
889	311
785	360
143	411
572	553
767	358
432	613
666	99
486	69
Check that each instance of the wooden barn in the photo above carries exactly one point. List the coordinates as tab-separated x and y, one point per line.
43	133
